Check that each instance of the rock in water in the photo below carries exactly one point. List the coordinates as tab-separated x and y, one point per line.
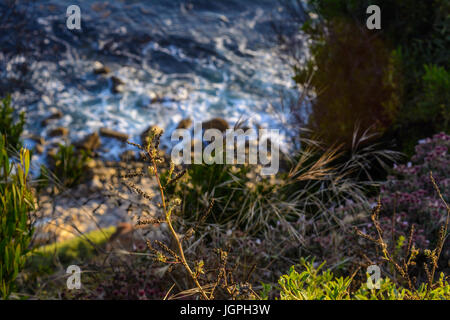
154	97
58	132
99	68
216	123
185	123
90	142
38	139
113	134
117	85
39	148
57	114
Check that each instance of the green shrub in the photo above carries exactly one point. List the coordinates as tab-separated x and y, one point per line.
314	284
9	128
428	112
15	229
240	194
69	165
434	101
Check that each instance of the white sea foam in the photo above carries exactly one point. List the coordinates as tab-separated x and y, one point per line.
236	75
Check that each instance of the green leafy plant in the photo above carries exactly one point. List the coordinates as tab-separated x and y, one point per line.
312	284
15	228
8	127
69	165
355	80
434	102
315	284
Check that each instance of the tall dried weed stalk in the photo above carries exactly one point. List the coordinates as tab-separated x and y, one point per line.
163	252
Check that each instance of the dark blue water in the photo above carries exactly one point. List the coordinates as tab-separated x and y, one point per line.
201	58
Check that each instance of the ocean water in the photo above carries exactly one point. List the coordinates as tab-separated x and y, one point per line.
201	58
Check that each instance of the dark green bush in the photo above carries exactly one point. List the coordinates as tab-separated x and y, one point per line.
435	103
377	77
431	107
15	206
420	28
356	80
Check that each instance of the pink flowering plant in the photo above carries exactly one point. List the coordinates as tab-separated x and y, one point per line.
408	197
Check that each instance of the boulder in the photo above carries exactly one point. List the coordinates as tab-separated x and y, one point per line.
57	114
95	184
117	85
113	134
154	97
128	155
90	143
39	148
185	123
38	139
99	68
58	132
216	123
51	153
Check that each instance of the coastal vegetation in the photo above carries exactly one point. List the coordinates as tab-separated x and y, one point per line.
395	79
365	186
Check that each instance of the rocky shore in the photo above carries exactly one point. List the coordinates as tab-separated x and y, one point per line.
102	199
99	202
